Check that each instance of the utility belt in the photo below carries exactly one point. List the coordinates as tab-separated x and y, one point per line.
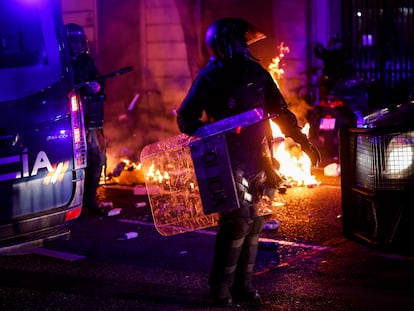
244	189
93	107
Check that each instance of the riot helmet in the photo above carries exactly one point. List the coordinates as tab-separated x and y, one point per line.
77	41
228	36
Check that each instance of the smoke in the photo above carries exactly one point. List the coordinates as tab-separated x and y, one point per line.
140	122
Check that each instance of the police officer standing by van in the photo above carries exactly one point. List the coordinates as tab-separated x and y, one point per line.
93	98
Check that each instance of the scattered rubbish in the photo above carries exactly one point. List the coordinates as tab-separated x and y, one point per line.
278	202
271	224
333	169
282	189
106	204
114	211
128	236
131	177
118	169
128	173
313	185
140	204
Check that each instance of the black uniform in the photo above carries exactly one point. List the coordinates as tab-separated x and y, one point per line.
93	104
224	88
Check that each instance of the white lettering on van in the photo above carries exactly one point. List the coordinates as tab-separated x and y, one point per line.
42	162
25	163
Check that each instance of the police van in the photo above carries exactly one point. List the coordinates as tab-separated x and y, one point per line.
42	136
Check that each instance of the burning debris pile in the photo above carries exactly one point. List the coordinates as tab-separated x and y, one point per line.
294	167
126	173
294	164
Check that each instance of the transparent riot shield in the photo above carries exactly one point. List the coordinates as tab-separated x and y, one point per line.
189	179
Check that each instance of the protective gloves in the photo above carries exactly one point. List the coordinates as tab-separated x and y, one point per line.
93	87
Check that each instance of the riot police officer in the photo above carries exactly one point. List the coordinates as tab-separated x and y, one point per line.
93	98
231	83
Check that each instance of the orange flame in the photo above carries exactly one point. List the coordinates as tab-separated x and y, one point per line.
274	67
295	165
156	175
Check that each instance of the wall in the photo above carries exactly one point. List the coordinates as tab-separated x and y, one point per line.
300	25
84	13
148	36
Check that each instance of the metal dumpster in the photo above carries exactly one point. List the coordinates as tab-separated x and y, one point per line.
377	179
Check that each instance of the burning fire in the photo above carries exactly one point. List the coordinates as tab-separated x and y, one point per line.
295	165
125	172
274	67
155	175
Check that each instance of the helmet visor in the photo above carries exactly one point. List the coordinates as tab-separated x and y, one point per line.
253	35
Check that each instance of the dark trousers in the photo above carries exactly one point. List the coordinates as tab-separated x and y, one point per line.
234	256
95	162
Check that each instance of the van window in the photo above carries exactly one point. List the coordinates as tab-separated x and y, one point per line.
22	43
28	48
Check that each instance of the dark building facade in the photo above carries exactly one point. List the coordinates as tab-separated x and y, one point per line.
379	34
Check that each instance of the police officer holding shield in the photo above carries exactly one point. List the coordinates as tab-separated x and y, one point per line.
231	83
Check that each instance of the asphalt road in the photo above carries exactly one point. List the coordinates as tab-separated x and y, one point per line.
306	264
